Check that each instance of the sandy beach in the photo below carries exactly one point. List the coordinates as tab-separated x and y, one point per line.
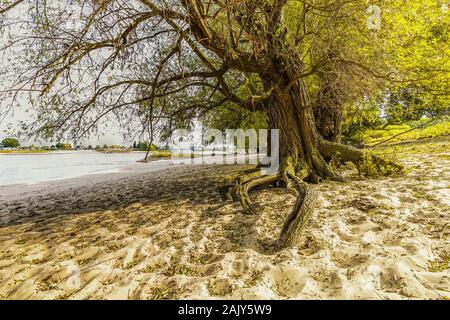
161	231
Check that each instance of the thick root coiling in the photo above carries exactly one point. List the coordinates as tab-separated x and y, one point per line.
291	175
291	178
241	192
350	154
299	216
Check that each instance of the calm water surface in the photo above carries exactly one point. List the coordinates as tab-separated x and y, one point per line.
34	168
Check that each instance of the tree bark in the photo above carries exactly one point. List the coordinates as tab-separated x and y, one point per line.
291	113
329	121
302	154
328	105
300	158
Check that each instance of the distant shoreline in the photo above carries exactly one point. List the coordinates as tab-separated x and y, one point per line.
160	153
113	175
161	230
24	151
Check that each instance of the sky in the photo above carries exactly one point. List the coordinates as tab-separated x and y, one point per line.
109	137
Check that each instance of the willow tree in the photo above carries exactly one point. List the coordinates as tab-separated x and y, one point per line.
408	50
83	61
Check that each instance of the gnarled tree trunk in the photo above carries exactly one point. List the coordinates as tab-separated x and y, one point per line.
328	118
328	104
302	156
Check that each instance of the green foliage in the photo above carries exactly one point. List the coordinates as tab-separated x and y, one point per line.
411	103
233	117
161	154
22	151
59	146
145	146
369	136
438	146
409	57
331	38
417	41
441	264
404	104
370	167
367	167
10	143
359	118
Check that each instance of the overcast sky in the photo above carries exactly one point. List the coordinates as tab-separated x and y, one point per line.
24	111
108	137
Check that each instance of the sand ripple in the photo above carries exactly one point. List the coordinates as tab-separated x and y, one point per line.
167	234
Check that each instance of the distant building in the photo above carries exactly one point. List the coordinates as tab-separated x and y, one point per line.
67	146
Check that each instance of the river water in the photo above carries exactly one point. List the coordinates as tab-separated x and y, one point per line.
40	167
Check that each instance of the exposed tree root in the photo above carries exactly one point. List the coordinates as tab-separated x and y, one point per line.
230	182
298	218
350	154
241	191
291	176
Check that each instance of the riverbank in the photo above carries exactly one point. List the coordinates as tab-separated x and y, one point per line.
23	151
163	232
43	167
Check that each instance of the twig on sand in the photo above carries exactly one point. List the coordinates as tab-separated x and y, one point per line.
427	286
441	236
92	265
